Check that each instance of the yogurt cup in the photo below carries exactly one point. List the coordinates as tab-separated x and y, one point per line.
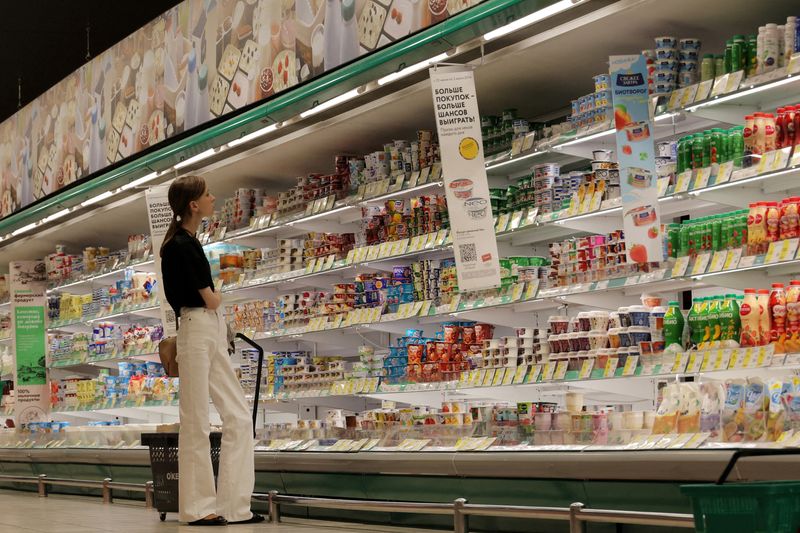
613	320
667	41
613	338
574	343
666	64
665	76
624	317
598	320
583	321
602	82
639	334
666	53
640	315
689	65
602	155
690	43
462	188
598	339
689	55
656	319
624	337
558	323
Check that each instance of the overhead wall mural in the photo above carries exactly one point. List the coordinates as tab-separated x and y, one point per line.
199	60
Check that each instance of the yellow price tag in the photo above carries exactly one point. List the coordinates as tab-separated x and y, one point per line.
586	369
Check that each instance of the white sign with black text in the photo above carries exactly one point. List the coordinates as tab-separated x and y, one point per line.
466	187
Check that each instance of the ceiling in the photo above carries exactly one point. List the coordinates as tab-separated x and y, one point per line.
48	38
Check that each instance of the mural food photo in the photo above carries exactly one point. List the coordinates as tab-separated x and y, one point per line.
200	60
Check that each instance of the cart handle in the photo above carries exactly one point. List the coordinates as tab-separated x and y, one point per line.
260	350
753	452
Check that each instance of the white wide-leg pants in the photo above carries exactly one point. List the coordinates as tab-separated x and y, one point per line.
205	369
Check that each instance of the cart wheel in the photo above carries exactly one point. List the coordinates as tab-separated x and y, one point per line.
162	516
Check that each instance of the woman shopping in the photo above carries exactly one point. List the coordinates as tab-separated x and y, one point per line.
205	370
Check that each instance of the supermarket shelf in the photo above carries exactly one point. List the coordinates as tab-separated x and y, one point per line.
762	93
88	282
148	310
343	212
516	383
107	361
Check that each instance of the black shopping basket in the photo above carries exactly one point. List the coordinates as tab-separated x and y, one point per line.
164	452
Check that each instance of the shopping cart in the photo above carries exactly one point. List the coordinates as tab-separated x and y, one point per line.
752	507
164	452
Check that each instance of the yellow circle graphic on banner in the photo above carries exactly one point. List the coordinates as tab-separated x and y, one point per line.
468	148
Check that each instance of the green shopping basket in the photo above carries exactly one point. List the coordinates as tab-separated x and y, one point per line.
748	507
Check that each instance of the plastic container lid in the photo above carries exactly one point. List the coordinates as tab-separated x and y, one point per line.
777	285
673	303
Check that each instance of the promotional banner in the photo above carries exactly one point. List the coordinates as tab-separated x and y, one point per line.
28	308
159	214
200	60
466	187
636	156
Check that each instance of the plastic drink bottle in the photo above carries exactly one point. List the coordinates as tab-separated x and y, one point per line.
769	58
750	319
712	319
781	40
729	318
770	133
772	220
696	321
759	134
777	312
748	138
673	325
765	324
793	307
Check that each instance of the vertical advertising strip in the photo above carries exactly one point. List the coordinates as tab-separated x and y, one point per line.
636	155
466	187
28	304
160	215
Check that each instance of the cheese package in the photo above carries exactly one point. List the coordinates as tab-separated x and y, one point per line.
667	415
733	411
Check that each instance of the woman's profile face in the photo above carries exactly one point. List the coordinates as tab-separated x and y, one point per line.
205	204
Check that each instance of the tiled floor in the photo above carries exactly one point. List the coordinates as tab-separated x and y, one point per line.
25	512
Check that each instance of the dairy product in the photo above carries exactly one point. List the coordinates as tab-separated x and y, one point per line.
765	323
750	319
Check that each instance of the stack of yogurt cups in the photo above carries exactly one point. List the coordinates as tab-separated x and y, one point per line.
677	63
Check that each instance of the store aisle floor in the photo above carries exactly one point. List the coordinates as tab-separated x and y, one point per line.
24	512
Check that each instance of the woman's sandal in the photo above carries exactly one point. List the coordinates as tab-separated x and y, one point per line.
216	521
255	519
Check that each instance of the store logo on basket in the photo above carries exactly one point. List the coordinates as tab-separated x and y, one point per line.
173	476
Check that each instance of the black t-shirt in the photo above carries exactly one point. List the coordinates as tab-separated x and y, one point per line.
186	271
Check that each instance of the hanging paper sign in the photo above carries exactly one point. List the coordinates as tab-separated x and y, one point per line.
636	155
28	308
466	187
160	215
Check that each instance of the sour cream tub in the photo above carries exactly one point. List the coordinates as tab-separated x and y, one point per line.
462	188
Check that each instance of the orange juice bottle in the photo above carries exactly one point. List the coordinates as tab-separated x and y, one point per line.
764	318
750	319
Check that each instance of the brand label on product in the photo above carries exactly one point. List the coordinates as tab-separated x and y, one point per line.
466	187
28	305
159	214
636	156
